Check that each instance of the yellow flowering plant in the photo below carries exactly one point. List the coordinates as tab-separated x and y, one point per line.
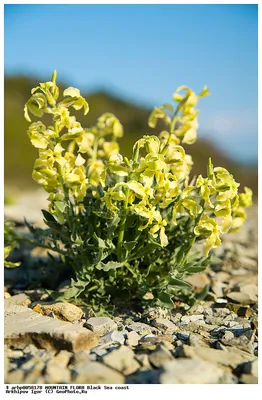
126	227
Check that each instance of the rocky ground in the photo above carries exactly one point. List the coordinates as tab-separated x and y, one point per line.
214	341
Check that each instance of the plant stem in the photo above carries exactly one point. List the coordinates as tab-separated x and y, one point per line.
122	227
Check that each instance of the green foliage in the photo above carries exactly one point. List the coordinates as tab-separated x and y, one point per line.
125	226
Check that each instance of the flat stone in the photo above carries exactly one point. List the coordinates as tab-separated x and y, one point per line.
122	360
20	299
165	325
23	326
96	372
100	325
64	311
190	371
160	356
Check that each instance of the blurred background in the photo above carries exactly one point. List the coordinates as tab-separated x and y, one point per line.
126	59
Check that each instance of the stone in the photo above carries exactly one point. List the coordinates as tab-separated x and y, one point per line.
122	360
63	311
190	371
165	325
100	325
160	356
112	337
132	338
230	358
183	336
192	318
23	326
97	373
241	298
19	300
140	328
251	290
155	312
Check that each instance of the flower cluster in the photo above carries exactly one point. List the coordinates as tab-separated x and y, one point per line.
146	214
71	158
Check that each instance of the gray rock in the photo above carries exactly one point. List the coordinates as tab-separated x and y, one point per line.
122	360
23	326
183	335
165	325
113	337
160	356
96	372
190	371
100	325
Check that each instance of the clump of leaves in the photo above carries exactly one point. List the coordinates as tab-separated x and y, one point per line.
126	227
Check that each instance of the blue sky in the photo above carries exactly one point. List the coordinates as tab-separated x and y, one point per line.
143	52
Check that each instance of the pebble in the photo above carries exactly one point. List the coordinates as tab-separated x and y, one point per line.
165	325
140	328
100	325
184	336
122	360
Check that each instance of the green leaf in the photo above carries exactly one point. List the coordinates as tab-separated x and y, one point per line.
129	245
101	243
109	265
48	216
165	300
179	283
